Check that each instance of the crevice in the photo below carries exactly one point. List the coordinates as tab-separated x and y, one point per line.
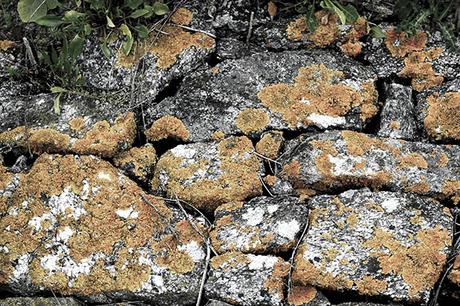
169	91
373	126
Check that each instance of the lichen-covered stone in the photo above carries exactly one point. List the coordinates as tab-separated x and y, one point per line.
154	62
424	58
260	225
292	90
380	9
306	296
217	303
246	279
137	163
397	119
209	174
350	159
270	144
438	112
39	301
84	126
76	225
383	244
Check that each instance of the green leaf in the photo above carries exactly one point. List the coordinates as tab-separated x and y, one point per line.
377	32
32	10
52	4
50	21
133	4
57	104
75	47
73	15
312	22
328	4
128	43
350	12
160	8
110	23
142	31
57	89
105	50
448	36
139	13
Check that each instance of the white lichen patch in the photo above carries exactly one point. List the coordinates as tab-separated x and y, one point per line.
183	151
390	205
272	208
104	176
21	270
259	262
127	213
65	234
325	121
288	229
194	250
67	201
254	216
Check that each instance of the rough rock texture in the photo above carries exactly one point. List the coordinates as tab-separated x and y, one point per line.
85	125
249	279
39	301
380	8
261	225
424	58
306	296
137	163
350	159
155	62
270	144
216	303
291	90
76	225
439	112
397	119
377	244
209	174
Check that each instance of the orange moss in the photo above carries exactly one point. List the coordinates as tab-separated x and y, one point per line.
395	125
412	160
166	48
238	178
167	127
327	30
454	275
182	16
419	67
218	135
77	124
442	116
229	260
275	282
272	9
270	144
426	257
252	120
401	44
141	160
317	90
351	48
230	206
301	295
296	28
452	190
6	44
371	286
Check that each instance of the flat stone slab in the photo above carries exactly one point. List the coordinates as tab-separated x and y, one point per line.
292	90
39	301
84	125
438	111
209	174
382	244
247	279
338	160
260	225
75	225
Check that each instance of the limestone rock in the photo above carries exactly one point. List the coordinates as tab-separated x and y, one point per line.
39	301
397	119
424	58
306	296
383	244
75	225
260	225
209	174
439	112
337	160
292	90
155	62
137	163
246	279
84	126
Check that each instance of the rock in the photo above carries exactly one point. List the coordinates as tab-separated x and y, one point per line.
216	303
338	160
382	244
306	296
260	225
10	59
424	58
210	174
270	144
379	9
366	304
292	90
438	112
137	163
397	119
75	225
154	62
246	279
84	126
39	301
